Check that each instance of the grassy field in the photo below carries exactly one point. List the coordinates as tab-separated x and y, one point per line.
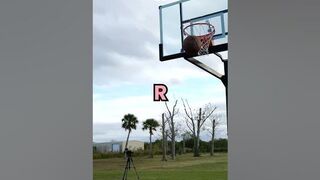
185	167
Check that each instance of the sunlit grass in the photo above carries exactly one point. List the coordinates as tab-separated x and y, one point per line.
185	167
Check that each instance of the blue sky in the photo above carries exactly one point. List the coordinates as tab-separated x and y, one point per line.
125	69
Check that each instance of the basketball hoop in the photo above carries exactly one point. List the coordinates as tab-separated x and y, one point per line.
204	33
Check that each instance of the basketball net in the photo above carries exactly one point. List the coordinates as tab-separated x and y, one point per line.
204	33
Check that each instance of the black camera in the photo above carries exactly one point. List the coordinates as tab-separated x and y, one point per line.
128	153
128	156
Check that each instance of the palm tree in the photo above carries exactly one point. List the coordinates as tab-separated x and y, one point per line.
129	122
151	125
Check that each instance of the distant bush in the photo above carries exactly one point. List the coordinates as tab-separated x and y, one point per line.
220	145
99	155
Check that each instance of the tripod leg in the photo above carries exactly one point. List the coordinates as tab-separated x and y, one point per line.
125	173
134	167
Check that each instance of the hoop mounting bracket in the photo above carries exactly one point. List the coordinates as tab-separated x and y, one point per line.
204	67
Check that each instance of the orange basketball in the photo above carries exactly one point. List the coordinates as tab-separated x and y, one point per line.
191	45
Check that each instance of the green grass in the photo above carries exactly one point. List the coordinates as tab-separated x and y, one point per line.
185	167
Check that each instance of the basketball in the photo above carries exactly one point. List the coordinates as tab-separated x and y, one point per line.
191	45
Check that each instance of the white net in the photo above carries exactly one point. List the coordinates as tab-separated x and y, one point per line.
204	33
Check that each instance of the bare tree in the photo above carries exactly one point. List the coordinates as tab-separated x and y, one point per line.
179	130
164	139
195	120
185	136
171	122
212	126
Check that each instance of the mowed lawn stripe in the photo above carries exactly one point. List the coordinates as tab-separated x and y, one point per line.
184	167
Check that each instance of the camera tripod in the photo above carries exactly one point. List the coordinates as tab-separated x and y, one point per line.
128	166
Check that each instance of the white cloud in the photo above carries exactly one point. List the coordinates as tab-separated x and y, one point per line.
112	111
125	52
124	69
126	41
107	113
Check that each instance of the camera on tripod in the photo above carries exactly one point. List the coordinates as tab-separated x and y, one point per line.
128	153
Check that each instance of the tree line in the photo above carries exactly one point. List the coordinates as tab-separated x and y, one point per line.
186	146
186	125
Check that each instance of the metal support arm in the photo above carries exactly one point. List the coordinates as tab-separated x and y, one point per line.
204	67
223	78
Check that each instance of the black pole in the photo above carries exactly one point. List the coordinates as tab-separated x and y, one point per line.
181	25
224	80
